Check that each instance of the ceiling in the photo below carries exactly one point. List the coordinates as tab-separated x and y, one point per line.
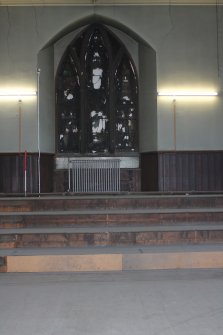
107	2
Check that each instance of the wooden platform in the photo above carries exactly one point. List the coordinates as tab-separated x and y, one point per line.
111	232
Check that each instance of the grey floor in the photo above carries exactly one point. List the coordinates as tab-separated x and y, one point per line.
165	302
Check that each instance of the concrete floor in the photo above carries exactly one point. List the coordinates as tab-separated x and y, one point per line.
160	302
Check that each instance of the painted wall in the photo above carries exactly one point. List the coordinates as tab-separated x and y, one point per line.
189	58
147	99
46	100
189	55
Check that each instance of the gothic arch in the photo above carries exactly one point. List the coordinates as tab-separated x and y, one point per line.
146	120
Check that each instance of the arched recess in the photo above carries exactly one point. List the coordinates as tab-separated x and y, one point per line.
145	59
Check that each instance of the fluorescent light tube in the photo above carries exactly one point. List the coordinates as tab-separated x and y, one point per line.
187	94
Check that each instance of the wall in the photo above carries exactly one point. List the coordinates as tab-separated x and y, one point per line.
187	50
188	43
147	99
189	58
46	100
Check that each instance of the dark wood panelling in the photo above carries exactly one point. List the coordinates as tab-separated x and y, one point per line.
191	171
60	181
130	180
47	172
200	171
12	173
149	171
185	171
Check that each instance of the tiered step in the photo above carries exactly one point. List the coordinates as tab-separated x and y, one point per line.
111	232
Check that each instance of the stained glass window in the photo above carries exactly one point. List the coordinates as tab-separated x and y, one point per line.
68	105
96	95
126	106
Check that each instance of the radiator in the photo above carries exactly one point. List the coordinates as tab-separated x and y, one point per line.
94	175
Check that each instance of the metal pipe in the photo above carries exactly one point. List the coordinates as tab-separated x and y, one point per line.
38	130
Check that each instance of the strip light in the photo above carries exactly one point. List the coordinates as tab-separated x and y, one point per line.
17	94
187	94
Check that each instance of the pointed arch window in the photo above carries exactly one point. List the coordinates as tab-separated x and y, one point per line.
96	96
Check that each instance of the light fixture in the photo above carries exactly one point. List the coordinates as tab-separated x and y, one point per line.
17	94
187	93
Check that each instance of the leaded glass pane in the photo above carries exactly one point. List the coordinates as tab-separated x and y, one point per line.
68	105
97	88
126	107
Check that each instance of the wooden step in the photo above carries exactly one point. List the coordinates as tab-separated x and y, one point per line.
130	217
124	201
100	225
113	259
110	236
